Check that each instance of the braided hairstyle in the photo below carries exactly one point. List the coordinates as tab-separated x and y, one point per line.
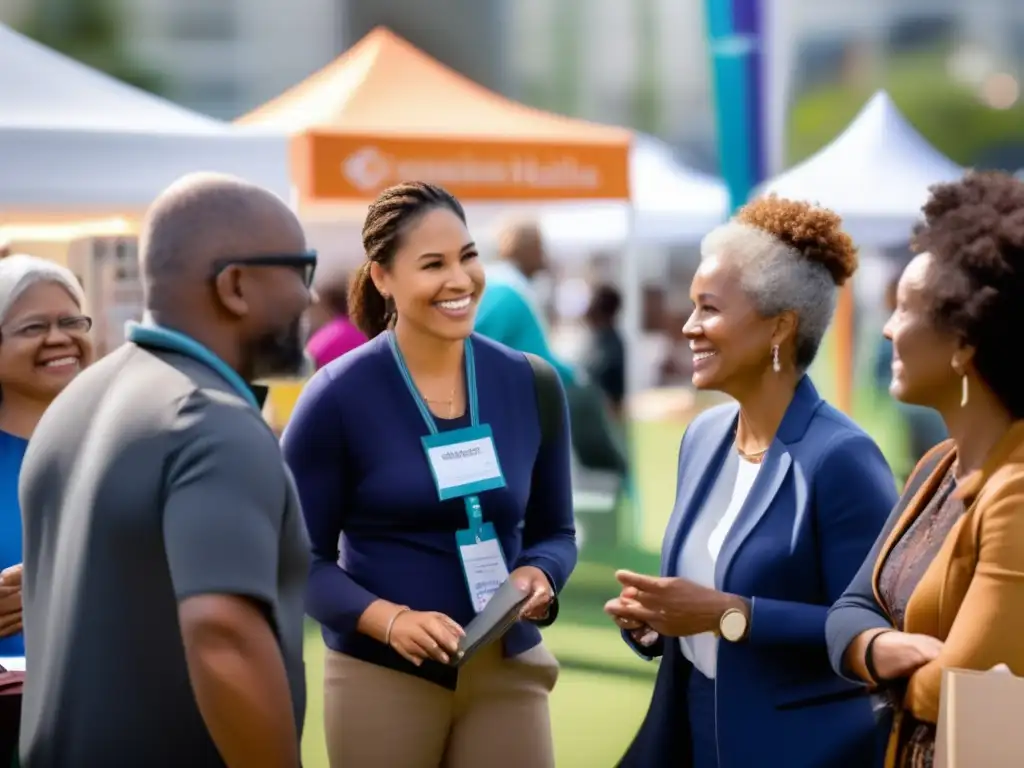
387	220
974	230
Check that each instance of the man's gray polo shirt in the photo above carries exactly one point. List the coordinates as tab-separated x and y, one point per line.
149	480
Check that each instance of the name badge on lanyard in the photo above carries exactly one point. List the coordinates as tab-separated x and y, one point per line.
464	463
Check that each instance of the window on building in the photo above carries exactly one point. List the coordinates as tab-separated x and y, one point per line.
819	61
203	20
1016	44
910	34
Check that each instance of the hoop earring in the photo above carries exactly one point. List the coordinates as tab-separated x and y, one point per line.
776	365
965	393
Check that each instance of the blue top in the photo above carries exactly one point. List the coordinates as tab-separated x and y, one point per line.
506	314
371	506
819	501
12	453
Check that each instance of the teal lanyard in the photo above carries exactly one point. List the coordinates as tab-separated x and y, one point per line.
473	509
428	417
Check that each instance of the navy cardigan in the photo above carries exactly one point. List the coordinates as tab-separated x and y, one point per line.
375	523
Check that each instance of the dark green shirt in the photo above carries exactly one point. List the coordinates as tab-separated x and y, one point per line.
605	363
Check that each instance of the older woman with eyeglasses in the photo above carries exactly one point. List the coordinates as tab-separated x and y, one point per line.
44	343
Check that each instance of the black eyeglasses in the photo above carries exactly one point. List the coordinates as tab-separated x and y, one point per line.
37	328
303	263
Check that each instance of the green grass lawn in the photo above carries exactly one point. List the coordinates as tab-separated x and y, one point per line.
604	689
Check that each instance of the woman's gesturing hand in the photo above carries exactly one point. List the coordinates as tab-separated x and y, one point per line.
621	608
532	580
671	606
422	635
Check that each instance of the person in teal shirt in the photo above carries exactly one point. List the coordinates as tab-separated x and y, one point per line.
507	312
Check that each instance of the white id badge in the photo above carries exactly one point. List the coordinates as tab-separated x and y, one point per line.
482	563
463	462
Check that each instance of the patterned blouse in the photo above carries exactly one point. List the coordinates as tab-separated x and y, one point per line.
900	574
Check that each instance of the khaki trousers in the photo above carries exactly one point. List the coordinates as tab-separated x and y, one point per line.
498	717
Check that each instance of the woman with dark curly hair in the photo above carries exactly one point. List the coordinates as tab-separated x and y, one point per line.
944	585
779	497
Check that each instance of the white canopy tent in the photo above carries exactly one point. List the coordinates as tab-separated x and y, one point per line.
75	142
672	205
876	175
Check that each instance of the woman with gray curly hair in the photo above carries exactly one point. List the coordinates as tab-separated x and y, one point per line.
44	343
779	496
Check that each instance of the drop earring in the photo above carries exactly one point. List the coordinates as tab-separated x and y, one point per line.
776	365
965	393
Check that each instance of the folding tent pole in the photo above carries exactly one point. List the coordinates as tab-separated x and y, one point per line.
844	331
632	331
632	294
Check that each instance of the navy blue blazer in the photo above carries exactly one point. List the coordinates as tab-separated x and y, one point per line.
819	501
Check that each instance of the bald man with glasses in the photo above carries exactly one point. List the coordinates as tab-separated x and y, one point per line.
165	553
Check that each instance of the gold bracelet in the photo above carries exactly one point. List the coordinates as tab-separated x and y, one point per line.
391	624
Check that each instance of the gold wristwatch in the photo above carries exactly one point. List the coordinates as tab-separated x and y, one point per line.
733	625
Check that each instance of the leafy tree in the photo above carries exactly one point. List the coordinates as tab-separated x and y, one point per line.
647	101
950	116
90	32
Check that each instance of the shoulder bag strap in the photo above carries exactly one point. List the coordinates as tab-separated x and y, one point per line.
549	401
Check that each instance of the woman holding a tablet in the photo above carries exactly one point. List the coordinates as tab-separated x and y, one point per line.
432	467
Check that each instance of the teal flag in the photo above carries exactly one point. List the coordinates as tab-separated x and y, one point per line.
735	41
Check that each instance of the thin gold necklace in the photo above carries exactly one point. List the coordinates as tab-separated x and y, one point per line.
754	458
450	401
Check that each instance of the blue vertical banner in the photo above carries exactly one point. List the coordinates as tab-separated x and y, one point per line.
736	42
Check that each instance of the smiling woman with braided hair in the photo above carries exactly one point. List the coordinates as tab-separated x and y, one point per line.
944	585
391	582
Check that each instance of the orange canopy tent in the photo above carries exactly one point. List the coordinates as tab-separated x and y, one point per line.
385	111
